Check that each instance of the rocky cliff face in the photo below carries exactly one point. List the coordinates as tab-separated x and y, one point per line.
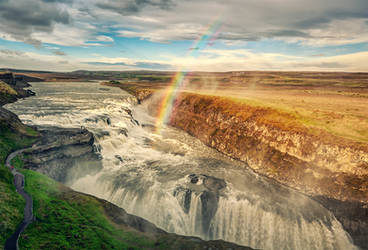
332	170
317	164
63	154
12	88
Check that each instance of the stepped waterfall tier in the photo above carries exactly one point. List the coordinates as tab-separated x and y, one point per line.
175	181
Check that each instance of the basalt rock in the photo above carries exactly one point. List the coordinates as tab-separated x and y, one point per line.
352	215
63	154
207	188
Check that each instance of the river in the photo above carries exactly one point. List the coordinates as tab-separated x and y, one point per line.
175	181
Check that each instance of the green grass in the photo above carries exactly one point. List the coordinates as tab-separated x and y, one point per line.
11	140
31	132
17	162
114	82
11	203
69	220
11	206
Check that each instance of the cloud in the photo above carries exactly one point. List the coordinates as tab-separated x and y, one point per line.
136	65
312	22
130	7
63	62
241	59
309	21
60	22
322	65
11	52
104	39
58	53
83	24
212	60
20	19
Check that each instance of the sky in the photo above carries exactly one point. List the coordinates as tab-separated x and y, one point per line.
297	35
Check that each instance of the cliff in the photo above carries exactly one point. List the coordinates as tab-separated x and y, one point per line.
12	88
274	144
59	150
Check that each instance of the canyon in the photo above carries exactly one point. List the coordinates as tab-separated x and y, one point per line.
286	147
330	168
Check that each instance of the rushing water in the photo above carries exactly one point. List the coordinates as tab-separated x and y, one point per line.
173	180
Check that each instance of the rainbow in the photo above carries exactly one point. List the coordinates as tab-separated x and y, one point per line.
167	102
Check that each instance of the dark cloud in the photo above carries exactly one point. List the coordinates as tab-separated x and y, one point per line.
246	20
11	52
166	20
287	33
58	53
19	19
58	1
312	22
134	6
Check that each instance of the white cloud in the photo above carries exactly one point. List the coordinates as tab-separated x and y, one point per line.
212	60
104	39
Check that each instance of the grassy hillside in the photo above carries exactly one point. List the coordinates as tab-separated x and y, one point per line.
13	136
11	203
67	219
11	206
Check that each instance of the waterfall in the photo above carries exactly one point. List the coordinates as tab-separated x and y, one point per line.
238	218
175	181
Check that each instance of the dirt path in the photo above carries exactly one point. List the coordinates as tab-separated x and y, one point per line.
12	242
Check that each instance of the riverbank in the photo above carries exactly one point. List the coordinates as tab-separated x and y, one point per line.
297	148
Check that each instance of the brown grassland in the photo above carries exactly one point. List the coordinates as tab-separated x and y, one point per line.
336	103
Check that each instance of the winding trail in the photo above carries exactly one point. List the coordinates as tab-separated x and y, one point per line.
12	242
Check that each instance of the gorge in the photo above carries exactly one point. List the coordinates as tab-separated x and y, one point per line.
172	179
